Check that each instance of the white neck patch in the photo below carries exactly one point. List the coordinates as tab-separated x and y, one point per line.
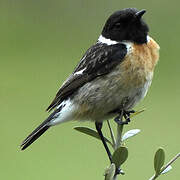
104	40
148	38
109	42
128	45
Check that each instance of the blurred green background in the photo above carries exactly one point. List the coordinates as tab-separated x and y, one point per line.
40	43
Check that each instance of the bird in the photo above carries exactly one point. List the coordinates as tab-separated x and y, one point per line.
112	76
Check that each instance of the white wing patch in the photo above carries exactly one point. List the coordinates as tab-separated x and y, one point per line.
66	113
80	72
104	40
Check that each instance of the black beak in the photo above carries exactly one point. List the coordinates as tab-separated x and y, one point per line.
139	14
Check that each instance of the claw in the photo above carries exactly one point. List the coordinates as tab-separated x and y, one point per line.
118	120
126	115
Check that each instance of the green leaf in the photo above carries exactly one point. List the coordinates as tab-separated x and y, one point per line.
159	159
119	156
91	132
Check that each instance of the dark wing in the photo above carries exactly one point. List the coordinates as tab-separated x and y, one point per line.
100	59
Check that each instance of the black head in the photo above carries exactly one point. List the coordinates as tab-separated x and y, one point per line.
128	25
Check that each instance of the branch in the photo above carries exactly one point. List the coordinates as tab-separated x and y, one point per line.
110	172
166	166
120	154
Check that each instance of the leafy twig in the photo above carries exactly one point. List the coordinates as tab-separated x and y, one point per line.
170	162
120	153
165	167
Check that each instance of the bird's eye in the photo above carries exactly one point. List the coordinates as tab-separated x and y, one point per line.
117	25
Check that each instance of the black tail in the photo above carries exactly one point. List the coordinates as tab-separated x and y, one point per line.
35	135
39	130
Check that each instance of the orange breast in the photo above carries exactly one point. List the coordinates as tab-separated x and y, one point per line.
147	54
139	64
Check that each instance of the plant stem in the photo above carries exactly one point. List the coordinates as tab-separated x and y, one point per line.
112	134
119	137
171	161
109	173
119	132
168	164
115	177
118	141
116	144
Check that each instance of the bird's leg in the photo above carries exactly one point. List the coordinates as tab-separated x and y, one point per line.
126	115
98	128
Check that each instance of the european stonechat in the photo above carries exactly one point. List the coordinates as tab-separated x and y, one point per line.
112	77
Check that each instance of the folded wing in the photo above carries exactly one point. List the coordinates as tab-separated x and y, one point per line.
99	60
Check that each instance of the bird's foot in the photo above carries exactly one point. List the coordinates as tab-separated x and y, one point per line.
118	171
119	121
126	115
